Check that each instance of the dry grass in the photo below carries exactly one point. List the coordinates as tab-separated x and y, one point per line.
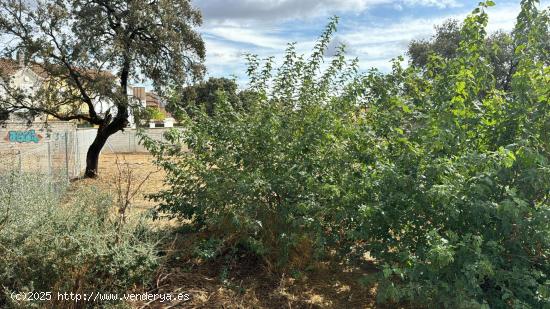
248	284
141	166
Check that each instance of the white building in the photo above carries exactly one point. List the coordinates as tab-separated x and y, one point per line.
30	77
20	77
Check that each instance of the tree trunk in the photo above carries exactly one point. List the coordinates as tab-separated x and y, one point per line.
92	157
108	127
103	133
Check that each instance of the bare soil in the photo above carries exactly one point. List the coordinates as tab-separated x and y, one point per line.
114	166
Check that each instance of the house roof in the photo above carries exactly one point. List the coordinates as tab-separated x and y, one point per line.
152	99
10	67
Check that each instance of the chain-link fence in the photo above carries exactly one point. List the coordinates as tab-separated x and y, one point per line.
62	155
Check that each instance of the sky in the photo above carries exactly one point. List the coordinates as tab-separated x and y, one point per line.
374	31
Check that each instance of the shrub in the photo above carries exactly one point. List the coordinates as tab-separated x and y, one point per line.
275	178
443	178
458	214
72	244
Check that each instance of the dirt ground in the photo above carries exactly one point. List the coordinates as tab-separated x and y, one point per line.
211	284
113	169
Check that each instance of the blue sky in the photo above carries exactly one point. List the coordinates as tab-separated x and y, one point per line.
375	31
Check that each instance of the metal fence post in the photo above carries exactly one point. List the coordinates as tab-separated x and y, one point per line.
19	155
49	159
67	155
77	155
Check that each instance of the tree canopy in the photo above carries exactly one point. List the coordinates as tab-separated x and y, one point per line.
205	95
90	51
499	49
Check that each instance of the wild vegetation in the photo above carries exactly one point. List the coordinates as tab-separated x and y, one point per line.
55	241
437	171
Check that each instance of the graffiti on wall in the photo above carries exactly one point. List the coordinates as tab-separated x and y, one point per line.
28	136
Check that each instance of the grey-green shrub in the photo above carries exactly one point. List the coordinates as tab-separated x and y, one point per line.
53	240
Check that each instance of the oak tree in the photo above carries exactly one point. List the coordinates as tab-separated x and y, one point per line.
204	96
88	51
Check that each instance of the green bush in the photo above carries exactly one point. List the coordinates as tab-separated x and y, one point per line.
274	179
437	174
459	208
70	244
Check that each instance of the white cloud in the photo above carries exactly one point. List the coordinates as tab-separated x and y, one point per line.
265	11
433	3
247	36
221	57
374	42
270	10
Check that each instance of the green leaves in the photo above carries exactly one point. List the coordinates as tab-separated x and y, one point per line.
441	175
284	162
